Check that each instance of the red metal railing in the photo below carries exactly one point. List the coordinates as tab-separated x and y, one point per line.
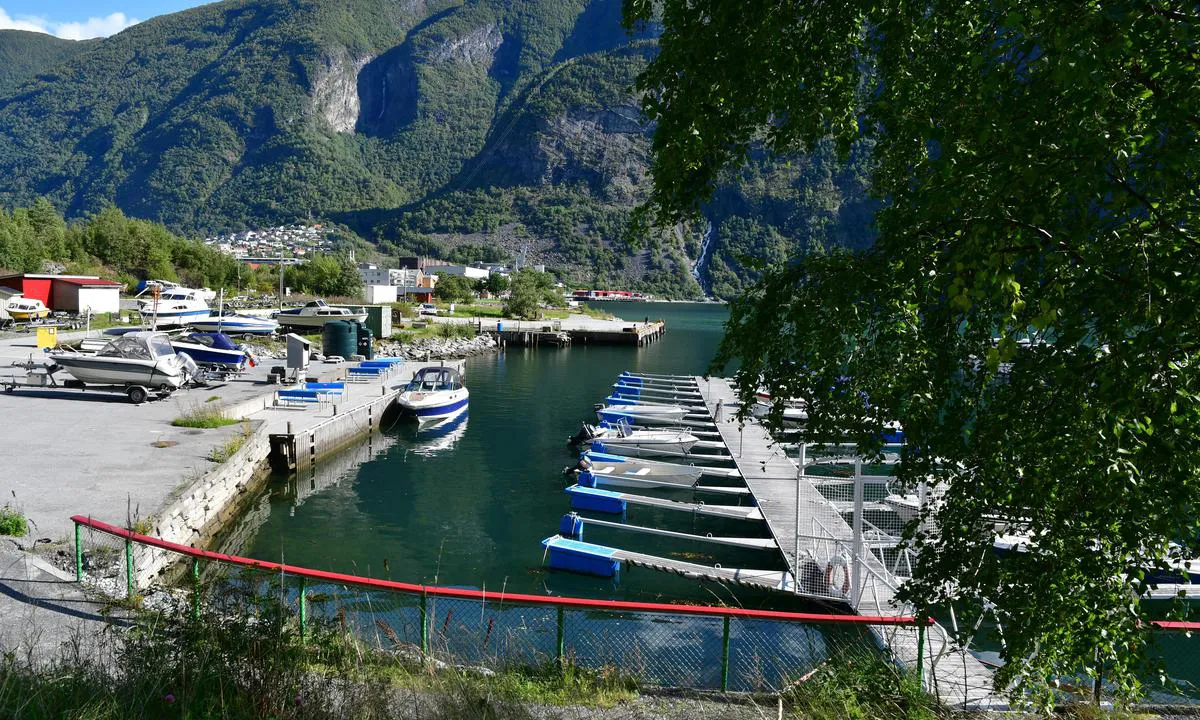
462	593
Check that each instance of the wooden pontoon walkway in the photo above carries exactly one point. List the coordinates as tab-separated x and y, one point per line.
957	677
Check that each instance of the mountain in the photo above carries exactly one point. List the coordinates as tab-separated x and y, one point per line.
25	54
465	129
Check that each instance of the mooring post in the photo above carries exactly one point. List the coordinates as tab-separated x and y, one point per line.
195	588
128	568
561	646
78	553
921	625
725	656
303	607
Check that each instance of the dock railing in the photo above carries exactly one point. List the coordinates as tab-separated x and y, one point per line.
685	646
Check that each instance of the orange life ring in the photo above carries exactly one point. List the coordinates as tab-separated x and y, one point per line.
845	576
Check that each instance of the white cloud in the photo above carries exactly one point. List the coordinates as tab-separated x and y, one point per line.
93	27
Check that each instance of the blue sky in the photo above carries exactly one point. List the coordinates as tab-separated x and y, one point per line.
80	19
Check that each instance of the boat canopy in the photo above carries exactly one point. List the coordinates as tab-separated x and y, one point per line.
139	346
431	379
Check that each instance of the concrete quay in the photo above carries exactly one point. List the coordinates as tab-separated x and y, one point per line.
97	454
580	328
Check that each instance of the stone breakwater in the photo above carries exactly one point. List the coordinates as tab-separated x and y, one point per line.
436	348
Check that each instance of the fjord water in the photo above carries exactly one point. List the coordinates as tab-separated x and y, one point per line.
469	506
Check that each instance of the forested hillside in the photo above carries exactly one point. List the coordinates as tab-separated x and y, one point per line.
446	128
23	55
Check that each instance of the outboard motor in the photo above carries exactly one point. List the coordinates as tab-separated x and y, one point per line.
586	433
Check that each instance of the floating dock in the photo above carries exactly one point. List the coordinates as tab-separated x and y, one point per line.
820	546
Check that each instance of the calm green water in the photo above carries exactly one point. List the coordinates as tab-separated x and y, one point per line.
470	506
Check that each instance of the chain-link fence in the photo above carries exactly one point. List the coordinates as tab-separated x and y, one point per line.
674	646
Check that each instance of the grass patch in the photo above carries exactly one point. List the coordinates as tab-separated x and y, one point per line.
855	684
13	522
227	449
244	658
204	416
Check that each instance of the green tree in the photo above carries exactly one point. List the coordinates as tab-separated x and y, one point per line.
453	288
1029	309
496	283
530	291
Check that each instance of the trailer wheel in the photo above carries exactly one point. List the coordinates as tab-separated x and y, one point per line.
137	394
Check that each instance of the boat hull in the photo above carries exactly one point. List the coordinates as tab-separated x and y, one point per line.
429	408
236	325
644	448
172	318
93	370
24	316
211	356
635	474
316	321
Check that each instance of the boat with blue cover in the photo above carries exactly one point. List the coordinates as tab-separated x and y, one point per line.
433	395
213	350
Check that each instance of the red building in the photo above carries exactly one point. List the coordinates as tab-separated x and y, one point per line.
69	293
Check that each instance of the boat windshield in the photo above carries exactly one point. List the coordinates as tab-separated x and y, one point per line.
160	346
434	379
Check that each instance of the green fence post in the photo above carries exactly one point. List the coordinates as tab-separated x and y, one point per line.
303	606
195	588
560	646
921	653
725	656
78	553
128	568
424	626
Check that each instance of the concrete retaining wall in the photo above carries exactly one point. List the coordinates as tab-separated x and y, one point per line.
303	448
207	505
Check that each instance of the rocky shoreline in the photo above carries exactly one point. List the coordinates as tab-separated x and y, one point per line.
436	348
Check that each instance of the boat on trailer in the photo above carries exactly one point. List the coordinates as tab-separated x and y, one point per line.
236	325
316	313
134	363
213	350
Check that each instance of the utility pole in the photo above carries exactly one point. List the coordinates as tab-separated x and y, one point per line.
281	278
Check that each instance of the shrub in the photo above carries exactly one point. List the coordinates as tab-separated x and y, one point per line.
13	522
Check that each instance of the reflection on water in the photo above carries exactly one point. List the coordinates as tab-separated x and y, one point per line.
468	504
431	440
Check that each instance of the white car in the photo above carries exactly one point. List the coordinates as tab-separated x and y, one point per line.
427	309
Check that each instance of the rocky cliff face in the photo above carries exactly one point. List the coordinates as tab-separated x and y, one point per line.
335	93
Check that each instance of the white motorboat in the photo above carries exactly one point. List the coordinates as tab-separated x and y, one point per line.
644	414
236	325
145	359
641	443
174	306
618	471
435	394
316	313
23	309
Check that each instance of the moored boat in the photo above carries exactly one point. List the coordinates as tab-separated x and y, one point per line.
433	395
641	443
644	414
